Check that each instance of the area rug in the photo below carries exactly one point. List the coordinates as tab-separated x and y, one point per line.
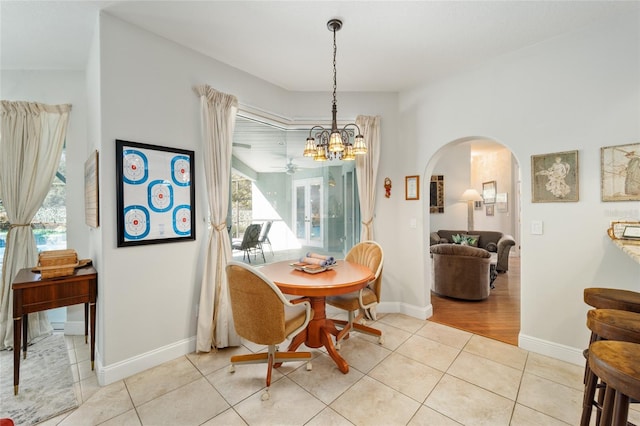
46	383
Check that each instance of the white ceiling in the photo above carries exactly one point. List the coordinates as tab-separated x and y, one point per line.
383	46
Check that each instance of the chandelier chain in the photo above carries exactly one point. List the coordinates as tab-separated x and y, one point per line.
335	81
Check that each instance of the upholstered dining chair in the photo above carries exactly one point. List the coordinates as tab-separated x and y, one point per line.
250	241
371	255
262	315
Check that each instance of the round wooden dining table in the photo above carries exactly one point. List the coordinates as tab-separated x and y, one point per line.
344	277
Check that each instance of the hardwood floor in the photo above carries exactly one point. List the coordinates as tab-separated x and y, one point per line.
497	317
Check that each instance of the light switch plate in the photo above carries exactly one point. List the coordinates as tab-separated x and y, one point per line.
536	227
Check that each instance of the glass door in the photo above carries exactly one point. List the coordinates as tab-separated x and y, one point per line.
352	210
308	211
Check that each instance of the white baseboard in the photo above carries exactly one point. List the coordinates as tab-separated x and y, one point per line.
128	367
420	312
550	349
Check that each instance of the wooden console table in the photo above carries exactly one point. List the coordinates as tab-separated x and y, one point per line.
32	294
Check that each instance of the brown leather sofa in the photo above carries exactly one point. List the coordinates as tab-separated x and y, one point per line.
461	271
493	241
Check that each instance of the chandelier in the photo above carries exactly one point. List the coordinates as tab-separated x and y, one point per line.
335	143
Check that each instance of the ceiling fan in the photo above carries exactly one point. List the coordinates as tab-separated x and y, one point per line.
290	168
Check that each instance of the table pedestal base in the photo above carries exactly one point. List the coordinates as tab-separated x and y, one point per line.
318	333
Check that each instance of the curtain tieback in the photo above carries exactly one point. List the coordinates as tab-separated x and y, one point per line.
220	227
15	225
11	226
367	222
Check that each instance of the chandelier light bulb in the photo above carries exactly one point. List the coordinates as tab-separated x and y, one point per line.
335	142
310	148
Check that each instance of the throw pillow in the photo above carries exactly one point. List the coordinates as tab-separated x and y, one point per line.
492	247
472	240
466	240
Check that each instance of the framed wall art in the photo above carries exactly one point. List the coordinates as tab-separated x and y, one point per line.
501	202
490	209
91	192
436	194
155	194
620	172
489	192
554	177
412	187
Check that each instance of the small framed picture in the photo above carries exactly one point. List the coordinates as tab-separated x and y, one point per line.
501	202
91	191
489	192
489	209
554	177
412	187
631	232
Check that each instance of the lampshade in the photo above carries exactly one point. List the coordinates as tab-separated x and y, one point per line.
335	142
471	195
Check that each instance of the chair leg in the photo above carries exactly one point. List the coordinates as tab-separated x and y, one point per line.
607	406
588	400
620	409
273	358
270	365
354	324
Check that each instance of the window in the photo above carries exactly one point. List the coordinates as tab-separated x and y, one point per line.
49	228
50	222
267	185
241	205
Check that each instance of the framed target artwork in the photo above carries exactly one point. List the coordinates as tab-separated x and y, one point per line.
155	194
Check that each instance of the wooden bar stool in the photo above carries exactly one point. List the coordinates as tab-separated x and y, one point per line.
605	324
618	365
612	298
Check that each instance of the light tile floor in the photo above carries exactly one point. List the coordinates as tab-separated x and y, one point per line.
424	374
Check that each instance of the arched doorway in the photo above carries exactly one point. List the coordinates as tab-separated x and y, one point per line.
474	162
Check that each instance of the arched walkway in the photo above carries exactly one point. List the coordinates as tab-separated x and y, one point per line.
497	317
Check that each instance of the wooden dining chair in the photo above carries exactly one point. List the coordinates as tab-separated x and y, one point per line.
364	301
262	315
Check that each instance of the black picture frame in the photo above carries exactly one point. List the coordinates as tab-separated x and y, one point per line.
155	192
436	194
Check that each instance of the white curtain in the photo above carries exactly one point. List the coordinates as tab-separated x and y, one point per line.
31	141
215	321
367	171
